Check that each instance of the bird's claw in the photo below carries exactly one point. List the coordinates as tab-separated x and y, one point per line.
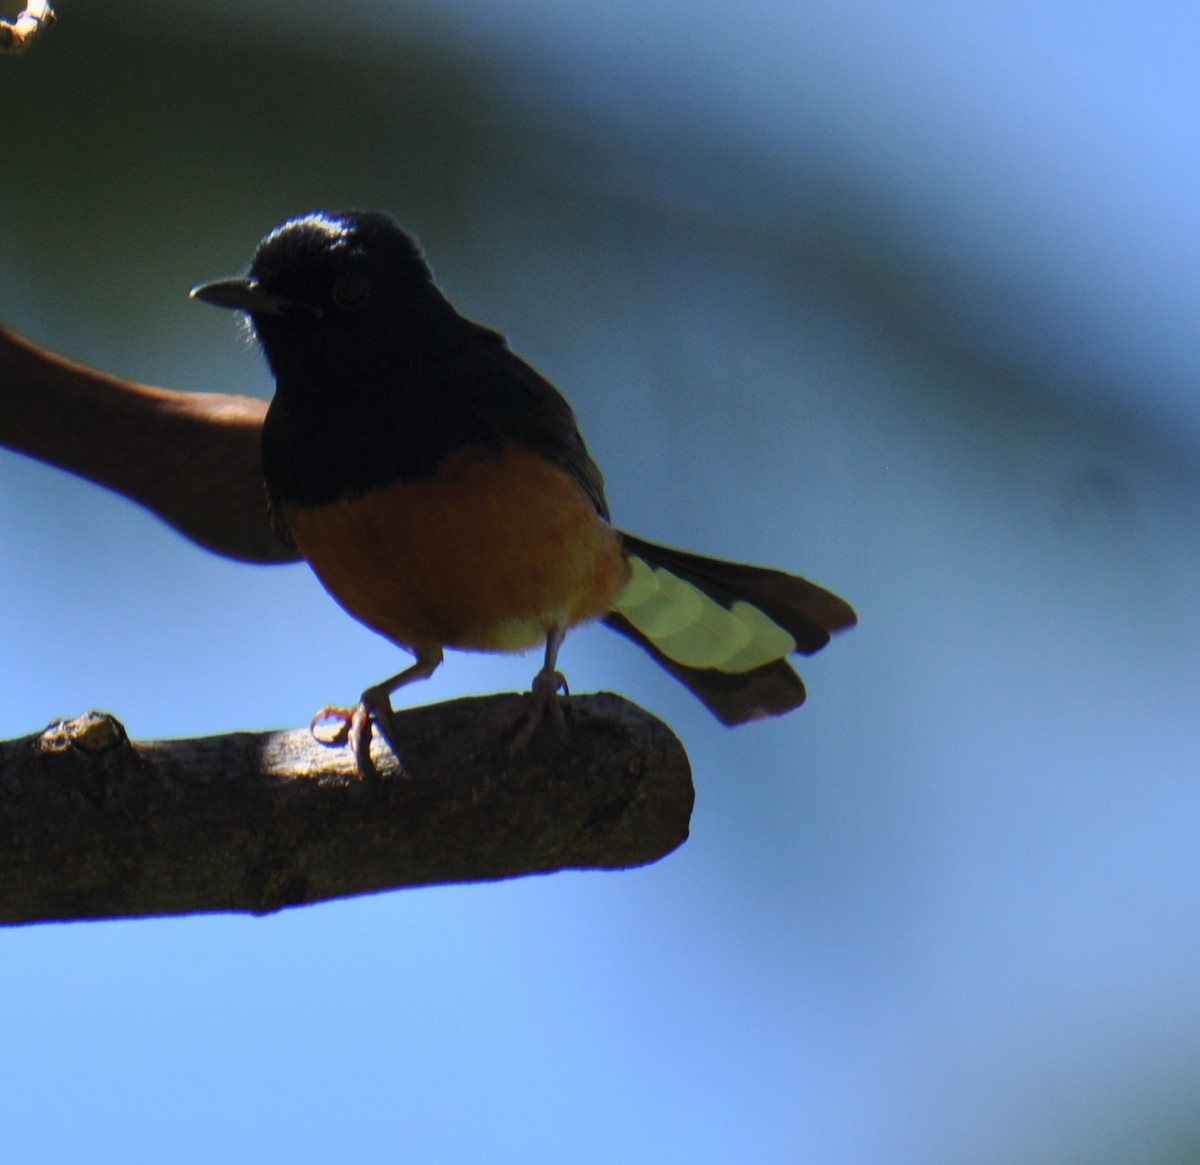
542	699
354	727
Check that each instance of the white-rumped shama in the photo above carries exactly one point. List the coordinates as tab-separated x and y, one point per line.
440	489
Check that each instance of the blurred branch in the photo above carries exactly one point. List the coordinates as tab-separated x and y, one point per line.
93	825
18	35
191	458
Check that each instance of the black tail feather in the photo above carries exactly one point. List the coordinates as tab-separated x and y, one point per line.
733	699
809	613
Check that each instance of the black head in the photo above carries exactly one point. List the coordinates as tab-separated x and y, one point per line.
322	282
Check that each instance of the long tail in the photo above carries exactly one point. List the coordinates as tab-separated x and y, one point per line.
725	629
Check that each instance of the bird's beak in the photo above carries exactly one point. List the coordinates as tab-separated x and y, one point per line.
244	294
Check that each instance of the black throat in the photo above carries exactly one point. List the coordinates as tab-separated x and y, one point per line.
347	419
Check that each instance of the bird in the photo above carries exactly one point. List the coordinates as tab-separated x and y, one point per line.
440	489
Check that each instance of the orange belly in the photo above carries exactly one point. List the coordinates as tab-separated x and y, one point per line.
487	556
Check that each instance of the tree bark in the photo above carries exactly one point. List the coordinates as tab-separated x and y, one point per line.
93	825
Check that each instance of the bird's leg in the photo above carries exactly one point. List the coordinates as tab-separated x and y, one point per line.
543	695
375	706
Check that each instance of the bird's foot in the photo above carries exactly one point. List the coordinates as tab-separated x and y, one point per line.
353	727
541	700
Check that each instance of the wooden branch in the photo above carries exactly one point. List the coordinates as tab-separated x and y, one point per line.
95	826
192	458
17	36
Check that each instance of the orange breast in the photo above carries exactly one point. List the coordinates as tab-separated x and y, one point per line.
487	556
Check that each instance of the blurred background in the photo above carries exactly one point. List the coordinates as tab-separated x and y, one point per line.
900	297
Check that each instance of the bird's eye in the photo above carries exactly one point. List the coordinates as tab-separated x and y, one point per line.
351	291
